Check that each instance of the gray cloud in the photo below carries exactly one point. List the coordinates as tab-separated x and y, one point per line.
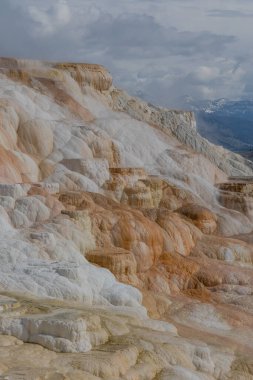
162	50
136	36
229	13
50	20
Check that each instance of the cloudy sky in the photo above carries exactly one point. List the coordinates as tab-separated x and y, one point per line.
161	50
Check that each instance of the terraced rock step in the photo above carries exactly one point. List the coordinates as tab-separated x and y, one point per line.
140	172
237	194
240	179
124	346
241	187
119	261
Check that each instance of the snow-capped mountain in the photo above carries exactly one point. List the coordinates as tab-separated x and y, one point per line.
225	122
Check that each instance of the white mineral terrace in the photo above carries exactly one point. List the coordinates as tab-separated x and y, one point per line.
126	245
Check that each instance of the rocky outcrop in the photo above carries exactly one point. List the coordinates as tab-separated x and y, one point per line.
88	74
134	187
182	125
201	217
237	194
241	185
120	262
83	73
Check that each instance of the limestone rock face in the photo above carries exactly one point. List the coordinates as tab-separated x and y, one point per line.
88	74
183	126
120	262
237	194
113	212
96	169
31	136
201	217
134	187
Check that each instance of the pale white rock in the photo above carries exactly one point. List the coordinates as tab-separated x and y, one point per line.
36	137
47	239
59	332
7	202
76	147
180	373
51	188
33	208
160	326
5	222
15	191
95	169
205	315
19	219
71	181
117	296
30	170
27	267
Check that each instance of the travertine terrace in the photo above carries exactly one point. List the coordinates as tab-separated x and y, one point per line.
126	245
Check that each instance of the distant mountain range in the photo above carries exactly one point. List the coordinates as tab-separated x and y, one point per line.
225	122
